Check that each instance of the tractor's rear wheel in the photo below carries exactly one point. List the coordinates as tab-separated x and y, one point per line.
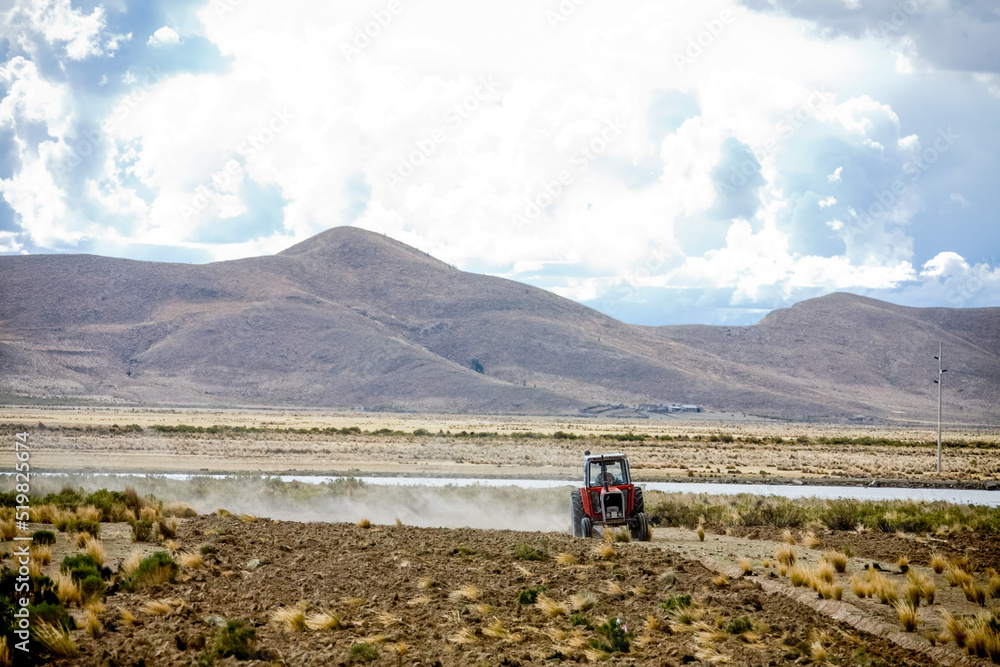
576	512
586	527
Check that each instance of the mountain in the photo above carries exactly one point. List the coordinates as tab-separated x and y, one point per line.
353	319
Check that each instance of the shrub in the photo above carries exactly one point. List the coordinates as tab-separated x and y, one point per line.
675	603
83	526
739	625
524	551
617	638
52	613
154	570
530	595
42	537
142	531
362	652
236	640
92	587
80	566
842	515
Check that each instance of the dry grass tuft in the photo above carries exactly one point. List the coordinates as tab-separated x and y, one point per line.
92	624
614	590
192	561
786	555
955	628
903	564
824	572
465	635
66	589
583	601
938	563
653	623
172	545
131	564
787	537
957	577
157	608
88	513
907	615
885	590
606	552
147	514
364	523
248	518
426	582
95	548
745	566
837	559
55	640
567	559
974	593
701	534
596	655
470	593
810	541
497	630
292	619
993	588
126	618
549	606
42	554
817	652
721	580
801	576
8	530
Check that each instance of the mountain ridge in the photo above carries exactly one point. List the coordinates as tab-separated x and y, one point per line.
354	319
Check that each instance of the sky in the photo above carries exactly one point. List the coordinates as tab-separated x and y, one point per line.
664	162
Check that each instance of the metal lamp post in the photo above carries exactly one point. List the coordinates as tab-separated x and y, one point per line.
941	372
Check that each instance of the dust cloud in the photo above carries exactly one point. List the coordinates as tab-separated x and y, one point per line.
345	500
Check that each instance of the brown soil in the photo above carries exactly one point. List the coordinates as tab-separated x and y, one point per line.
983	551
371	578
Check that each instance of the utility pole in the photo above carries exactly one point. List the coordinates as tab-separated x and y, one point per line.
941	372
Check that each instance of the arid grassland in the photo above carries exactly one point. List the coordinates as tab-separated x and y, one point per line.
119	578
695	447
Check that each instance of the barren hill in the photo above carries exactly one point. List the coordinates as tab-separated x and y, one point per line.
353	319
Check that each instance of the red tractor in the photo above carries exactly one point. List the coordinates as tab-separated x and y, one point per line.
608	498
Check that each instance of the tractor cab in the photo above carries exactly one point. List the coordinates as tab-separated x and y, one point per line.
606	470
608	497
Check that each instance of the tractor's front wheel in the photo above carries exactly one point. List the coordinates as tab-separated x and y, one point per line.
639	506
576	513
586	527
640	528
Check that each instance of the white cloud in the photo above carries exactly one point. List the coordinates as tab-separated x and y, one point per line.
629	194
945	264
162	36
59	23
